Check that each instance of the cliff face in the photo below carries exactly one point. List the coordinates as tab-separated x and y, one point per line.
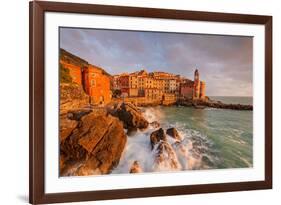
72	97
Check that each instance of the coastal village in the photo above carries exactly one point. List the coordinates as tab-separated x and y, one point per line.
140	88
98	112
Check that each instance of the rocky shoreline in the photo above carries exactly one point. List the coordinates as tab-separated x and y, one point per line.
200	104
93	139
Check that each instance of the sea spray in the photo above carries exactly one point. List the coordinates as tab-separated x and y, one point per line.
152	114
192	152
138	148
165	158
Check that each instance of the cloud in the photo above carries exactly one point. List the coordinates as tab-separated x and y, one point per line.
224	62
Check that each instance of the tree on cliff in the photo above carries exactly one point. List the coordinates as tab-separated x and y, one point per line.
64	75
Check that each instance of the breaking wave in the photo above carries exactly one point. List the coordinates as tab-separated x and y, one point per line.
194	150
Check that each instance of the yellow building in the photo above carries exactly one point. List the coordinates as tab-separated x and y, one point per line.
133	92
133	81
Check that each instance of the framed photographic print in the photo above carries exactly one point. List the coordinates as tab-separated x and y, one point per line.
139	102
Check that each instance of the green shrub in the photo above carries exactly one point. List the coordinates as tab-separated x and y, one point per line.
65	75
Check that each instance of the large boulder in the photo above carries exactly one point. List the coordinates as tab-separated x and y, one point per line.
77	114
130	115
173	133
66	126
157	136
165	158
94	146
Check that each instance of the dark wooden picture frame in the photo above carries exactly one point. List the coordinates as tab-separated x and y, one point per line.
37	94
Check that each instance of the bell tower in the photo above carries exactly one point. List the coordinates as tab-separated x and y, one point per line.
196	75
196	85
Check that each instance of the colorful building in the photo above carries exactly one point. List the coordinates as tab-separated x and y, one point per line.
133	81
94	80
172	86
186	90
156	84
97	85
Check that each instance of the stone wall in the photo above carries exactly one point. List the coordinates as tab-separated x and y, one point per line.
72	97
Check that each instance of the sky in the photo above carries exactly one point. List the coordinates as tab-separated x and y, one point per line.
224	62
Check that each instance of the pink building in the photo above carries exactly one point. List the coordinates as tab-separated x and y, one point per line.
186	90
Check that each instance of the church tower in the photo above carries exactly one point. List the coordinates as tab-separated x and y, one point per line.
196	85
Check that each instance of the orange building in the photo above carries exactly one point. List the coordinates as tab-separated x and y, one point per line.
74	72
186	89
96	84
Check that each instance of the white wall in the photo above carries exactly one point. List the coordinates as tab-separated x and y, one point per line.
14	100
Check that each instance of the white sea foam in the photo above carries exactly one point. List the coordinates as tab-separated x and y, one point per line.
153	114
187	152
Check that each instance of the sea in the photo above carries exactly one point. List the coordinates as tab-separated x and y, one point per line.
210	138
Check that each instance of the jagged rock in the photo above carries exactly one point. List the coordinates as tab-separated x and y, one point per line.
132	131
77	114
135	168
62	161
166	158
156	136
94	147
201	104
130	115
207	161
173	133
154	124
66	126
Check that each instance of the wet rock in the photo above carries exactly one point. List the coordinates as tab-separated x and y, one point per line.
157	136
77	114
130	115
154	124
95	145
166	158
201	104
207	161
173	133
66	126
135	168
132	131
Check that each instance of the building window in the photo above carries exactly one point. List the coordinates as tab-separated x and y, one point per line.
93	74
93	83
